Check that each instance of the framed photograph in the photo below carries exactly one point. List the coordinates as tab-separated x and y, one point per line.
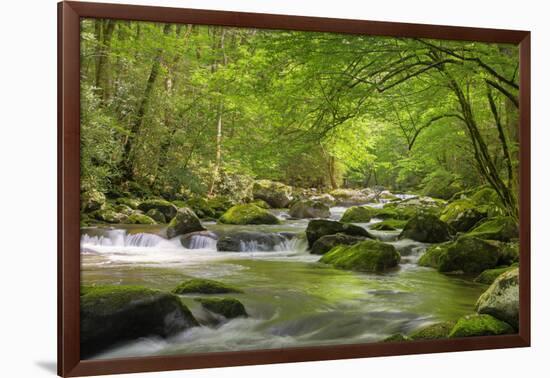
239	188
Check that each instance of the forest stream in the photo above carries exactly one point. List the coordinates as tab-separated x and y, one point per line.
291	299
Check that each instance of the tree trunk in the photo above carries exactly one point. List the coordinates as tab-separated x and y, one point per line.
218	163
127	164
102	80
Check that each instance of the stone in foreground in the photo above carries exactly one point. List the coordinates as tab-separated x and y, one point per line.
501	299
480	325
112	314
184	222
227	307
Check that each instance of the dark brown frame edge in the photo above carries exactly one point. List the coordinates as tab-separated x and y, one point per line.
69	14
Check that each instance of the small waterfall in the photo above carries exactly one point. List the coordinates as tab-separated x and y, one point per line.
295	245
202	242
122	239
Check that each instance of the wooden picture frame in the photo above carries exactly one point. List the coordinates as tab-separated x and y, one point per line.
69	15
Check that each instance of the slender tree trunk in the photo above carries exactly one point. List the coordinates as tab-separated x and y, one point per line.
127	163
102	80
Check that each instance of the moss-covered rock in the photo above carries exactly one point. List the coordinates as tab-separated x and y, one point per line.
462	215
365	256
92	200
156	215
480	325
204	286
166	208
108	215
248	214
395	338
111	314
309	209
130	202
261	203
227	307
137	218
501	299
389	225
490	275
321	227
434	331
499	228
426	228
276	194
359	214
509	253
201	207
184	222
347	197
327	242
467	254
441	184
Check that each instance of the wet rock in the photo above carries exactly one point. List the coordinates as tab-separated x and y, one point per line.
197	239
348	197
248	214
327	242
156	215
426	228
501	300
321	227
111	314
434	331
137	218
276	194
309	209
250	240
467	254
184	222
480	325
462	215
166	208
365	256
204	286
227	307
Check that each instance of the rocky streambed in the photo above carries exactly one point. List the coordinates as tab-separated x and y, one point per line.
350	271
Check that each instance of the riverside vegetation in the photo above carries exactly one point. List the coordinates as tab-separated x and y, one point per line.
252	189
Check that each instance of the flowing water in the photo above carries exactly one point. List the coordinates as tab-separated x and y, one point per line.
292	299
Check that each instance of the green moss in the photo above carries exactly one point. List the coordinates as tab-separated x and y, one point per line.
433	331
365	256
389	225
468	255
248	214
261	203
201	207
499	228
318	228
204	286
156	215
109	215
480	325
227	307
426	228
488	276
327	242
130	202
397	337
165	207
139	219
363	214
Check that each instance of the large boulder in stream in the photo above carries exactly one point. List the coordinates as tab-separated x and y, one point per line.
250	240
480	325
501	299
108	215
462	215
229	308
184	222
248	214
499	228
327	242
366	256
467	254
112	314
156	215
168	209
433	331
321	227
426	228
276	194
309	209
359	214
